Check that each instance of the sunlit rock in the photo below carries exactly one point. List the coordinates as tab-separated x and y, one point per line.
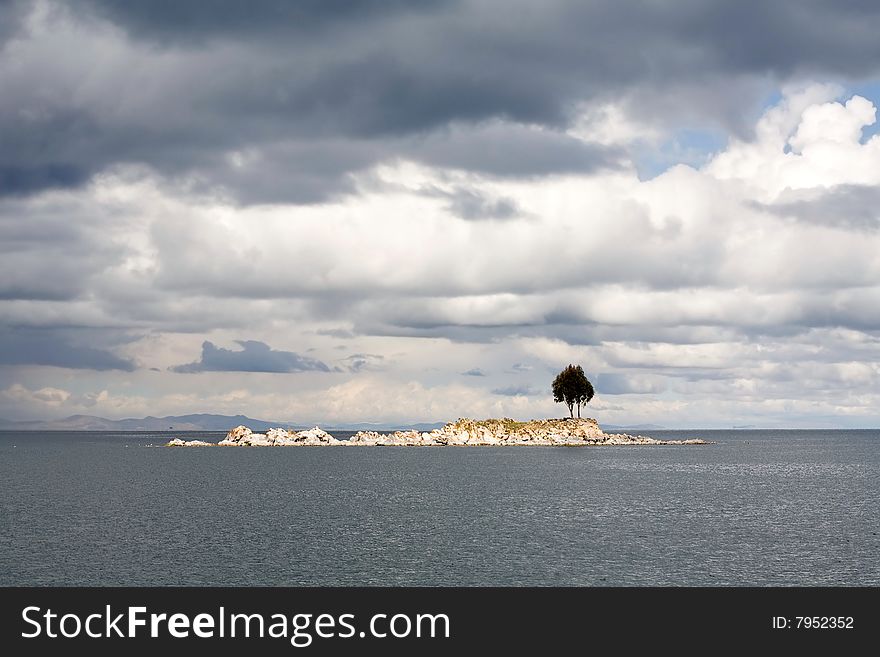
567	432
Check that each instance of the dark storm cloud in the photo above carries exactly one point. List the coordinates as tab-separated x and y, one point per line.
780	37
848	310
299	172
184	21
507	150
24	180
48	145
54	348
574	335
11	14
254	356
319	90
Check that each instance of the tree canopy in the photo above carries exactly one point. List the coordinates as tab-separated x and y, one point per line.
572	387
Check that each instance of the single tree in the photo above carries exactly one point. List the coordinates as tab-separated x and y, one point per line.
572	387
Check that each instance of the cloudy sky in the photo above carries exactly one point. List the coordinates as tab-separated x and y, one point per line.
382	210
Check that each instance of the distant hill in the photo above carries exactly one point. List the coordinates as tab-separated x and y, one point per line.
195	422
213	422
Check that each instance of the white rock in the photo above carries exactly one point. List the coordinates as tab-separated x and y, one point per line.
279	436
236	436
364	438
572	432
177	442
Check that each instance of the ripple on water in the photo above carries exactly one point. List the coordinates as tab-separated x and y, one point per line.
756	508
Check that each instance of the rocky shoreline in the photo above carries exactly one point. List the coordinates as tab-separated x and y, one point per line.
568	432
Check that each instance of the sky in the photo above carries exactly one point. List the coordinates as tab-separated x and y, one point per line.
386	211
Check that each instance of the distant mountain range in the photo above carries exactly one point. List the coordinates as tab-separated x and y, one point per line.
194	422
212	422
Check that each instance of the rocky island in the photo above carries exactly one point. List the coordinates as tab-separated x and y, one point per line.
568	432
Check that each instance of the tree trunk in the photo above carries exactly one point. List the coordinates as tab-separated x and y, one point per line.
579	410
571	410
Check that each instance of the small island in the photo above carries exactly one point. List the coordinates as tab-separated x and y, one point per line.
566	432
570	386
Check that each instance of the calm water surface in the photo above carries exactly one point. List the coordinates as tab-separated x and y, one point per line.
756	508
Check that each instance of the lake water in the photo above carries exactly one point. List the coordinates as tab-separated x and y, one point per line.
756	508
